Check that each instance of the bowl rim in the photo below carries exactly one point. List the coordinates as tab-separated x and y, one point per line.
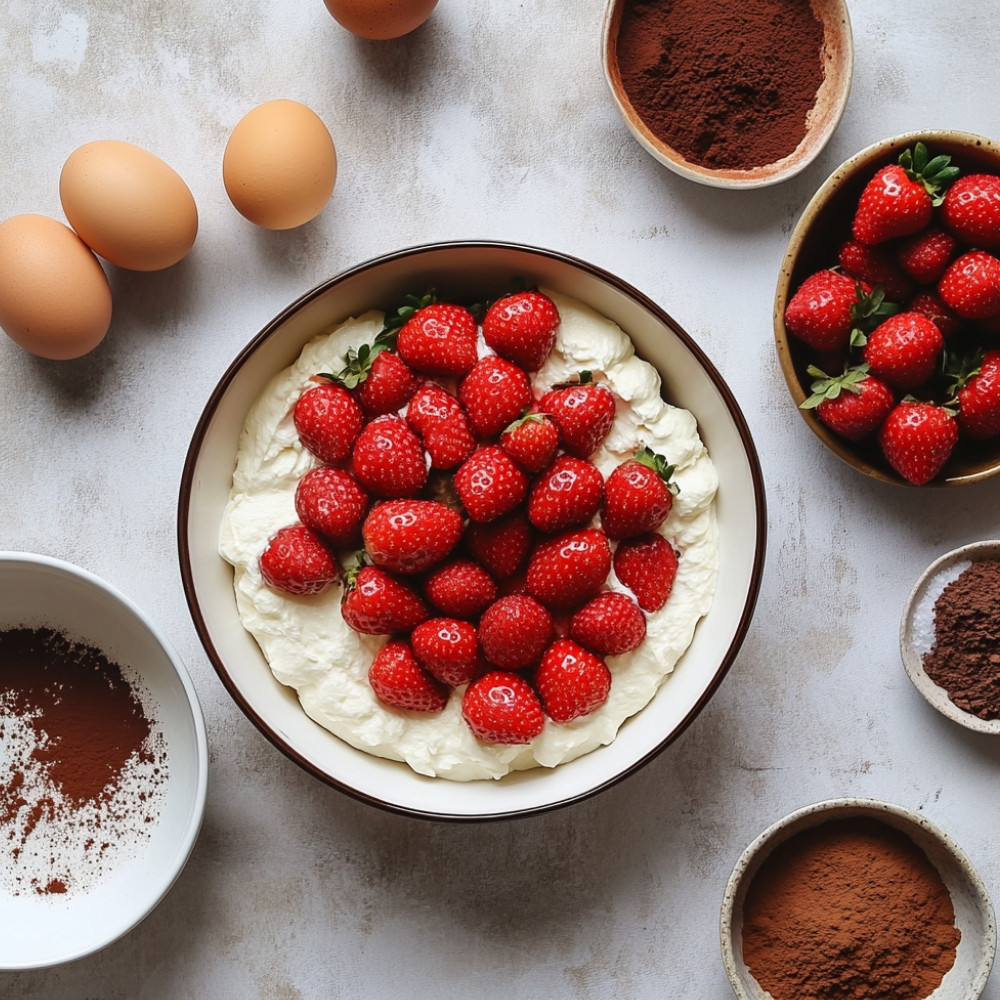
201	431
186	844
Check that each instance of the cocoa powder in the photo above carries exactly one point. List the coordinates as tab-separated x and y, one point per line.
965	658
727	85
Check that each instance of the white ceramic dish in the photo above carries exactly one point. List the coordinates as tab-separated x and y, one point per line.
476	270
974	914
916	631
42	930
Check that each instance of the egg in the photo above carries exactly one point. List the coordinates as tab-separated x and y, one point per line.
380	19
280	165
128	205
55	300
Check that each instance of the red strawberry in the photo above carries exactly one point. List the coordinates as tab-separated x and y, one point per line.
827	307
584	411
929	303
502	708
490	484
917	439
567	494
502	546
439	339
971	285
494	393
571	681
388	385
296	561
376	603
638	495
647	565
514	631
925	255
389	459
448	648
978	398
875	266
532	441
409	536
522	327
853	404
564	572
331	502
437	416
461	589
971	209
904	350
328	419
609	625
399	681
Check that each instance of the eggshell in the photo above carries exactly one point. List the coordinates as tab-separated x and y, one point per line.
280	165
380	19
55	300
128	205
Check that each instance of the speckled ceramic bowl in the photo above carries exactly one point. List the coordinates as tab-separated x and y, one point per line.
974	914
916	631
837	56
822	228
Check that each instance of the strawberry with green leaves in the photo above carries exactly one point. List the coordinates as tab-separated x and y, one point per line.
532	441
399	681
522	328
494	393
904	350
917	439
828	307
584	409
571	681
647	565
638	495
379	379
377	603
853	404
410	535
977	396
501	708
567	494
436	338
328	420
297	561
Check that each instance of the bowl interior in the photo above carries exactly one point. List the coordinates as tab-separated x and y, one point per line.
46	929
974	915
469	270
824	225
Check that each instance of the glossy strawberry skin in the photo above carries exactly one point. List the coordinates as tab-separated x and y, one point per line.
585	414
925	255
571	681
891	205
820	312
522	327
494	393
636	500
328	419
331	503
501	546
410	536
532	441
388	458
490	484
875	266
857	414
388	386
514	631
439	339
376	603
609	625
448	649
971	285
928	302
399	681
296	561
904	350
565	571
502	708
917	439
567	494
971	210
443	425
647	565
461	589
979	400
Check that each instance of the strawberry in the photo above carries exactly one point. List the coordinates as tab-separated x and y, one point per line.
522	327
502	708
971	285
331	503
461	589
853	404
437	416
584	411
904	350
490	484
399	681
925	255
647	565
566	495
638	495
388	386
978	397
609	625
571	681
389	459
376	603
501	546
409	536
494	393
296	561
875	266
514	631
929	303
448	649
829	306
532	441
900	198
327	418
439	338
917	439
564	572
971	209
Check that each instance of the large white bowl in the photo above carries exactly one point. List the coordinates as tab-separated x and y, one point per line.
475	270
41	930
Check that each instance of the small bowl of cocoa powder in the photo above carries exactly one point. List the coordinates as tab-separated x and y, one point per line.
740	95
949	637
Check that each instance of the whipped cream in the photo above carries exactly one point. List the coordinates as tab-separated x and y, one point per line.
309	646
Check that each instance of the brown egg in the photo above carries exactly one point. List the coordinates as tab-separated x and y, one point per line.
380	19
128	205
55	300
280	165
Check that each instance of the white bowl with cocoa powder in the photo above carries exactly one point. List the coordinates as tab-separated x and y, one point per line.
104	763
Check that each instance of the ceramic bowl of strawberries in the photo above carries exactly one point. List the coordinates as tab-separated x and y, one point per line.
472	530
887	310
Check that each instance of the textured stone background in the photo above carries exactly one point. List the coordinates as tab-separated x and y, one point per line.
491	121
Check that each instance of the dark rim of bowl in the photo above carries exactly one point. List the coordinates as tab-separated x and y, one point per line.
201	431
